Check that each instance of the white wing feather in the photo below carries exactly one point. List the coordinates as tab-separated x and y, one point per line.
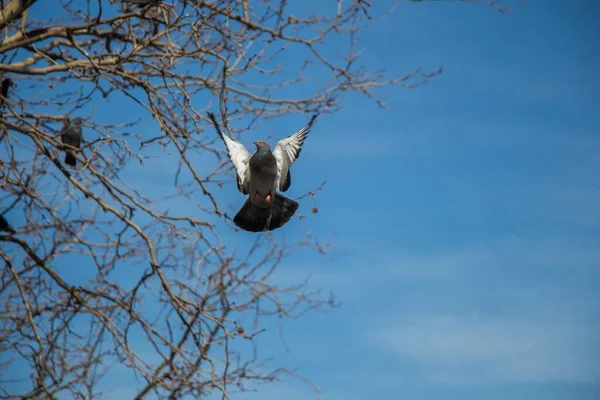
238	154
287	151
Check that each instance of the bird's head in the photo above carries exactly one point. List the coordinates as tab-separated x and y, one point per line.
68	121
261	145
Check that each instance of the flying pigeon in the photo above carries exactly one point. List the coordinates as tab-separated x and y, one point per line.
72	134
260	175
5	226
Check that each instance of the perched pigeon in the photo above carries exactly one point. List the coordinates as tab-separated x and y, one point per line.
260	175
72	134
4	88
5	226
141	3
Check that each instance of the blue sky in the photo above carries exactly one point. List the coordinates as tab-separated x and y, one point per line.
465	219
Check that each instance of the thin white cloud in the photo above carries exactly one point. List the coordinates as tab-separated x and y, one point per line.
467	350
359	277
383	268
535	295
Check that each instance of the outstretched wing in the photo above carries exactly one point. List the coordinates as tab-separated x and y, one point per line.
238	154
287	151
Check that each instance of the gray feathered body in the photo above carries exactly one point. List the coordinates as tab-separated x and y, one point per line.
263	173
72	135
257	214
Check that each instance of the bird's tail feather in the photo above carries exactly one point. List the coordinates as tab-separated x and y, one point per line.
282	210
253	218
70	159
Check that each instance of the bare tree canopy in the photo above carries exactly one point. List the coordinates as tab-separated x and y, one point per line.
99	275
